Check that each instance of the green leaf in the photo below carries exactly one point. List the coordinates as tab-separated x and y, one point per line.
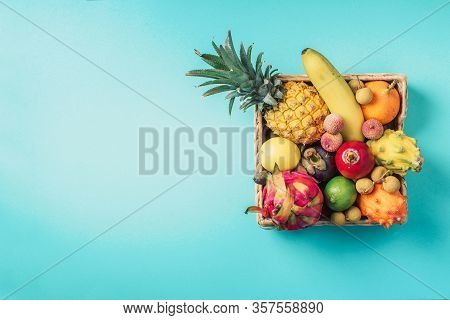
249	96
217	89
259	63
268	99
227	58
213	60
263	90
276	82
247	64
249	55
249	58
209	73
247	84
218	81
236	62
229	47
267	73
234	72
247	104
230	105
258	80
232	95
239	77
215	47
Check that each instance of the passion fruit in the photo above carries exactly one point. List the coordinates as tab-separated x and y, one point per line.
280	151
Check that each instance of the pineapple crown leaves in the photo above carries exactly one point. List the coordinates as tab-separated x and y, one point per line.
234	73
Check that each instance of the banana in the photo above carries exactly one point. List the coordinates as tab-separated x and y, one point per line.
336	93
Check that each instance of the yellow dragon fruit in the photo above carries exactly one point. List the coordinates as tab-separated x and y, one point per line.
292	199
396	152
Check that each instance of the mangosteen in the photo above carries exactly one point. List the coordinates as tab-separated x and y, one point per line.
319	163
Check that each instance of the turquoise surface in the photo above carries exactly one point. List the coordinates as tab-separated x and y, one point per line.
69	153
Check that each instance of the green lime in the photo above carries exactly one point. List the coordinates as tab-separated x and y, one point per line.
340	193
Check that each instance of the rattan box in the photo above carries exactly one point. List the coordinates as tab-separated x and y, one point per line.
261	136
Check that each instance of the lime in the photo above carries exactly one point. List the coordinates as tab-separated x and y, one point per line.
340	193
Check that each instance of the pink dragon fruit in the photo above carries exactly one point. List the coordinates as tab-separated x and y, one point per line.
292	199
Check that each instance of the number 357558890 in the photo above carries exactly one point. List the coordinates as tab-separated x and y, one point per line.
287	307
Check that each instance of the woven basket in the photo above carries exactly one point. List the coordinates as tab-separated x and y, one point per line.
261	135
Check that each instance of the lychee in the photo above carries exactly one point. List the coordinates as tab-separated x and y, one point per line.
372	129
356	84
364	186
391	184
364	95
353	214
379	173
338	218
331	142
333	123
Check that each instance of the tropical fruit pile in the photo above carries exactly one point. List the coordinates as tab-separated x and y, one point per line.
331	153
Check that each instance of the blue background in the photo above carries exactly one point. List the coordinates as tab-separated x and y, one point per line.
69	153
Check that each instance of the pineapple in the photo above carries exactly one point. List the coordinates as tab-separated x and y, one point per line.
300	114
292	110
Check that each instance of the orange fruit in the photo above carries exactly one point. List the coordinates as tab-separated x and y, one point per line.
385	103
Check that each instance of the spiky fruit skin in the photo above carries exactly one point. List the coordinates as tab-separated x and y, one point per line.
383	207
354	160
372	129
300	115
292	199
396	152
331	142
333	123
